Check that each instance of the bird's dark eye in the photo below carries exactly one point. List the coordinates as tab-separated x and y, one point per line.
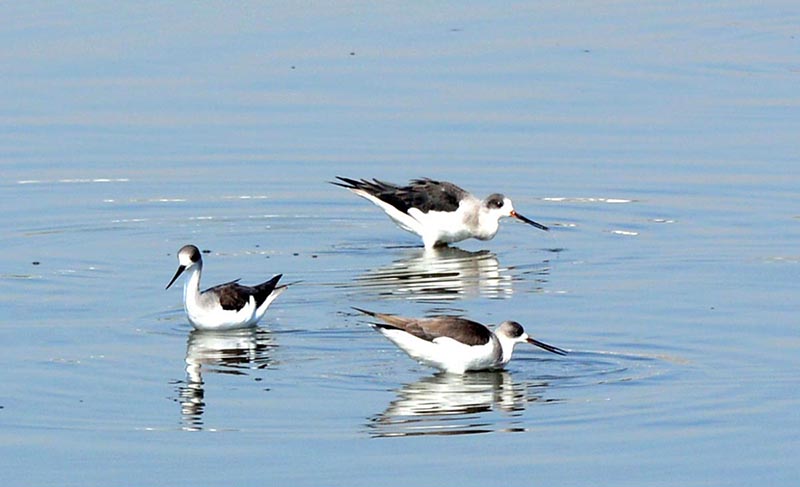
495	202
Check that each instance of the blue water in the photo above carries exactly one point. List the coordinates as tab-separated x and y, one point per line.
658	141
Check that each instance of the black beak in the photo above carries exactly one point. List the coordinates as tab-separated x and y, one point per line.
181	268
529	221
545	346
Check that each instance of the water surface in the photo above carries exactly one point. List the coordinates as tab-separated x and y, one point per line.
659	143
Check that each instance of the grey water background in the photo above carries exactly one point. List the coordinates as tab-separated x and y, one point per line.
658	140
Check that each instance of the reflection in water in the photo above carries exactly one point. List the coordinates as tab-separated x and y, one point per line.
446	273
455	404
229	352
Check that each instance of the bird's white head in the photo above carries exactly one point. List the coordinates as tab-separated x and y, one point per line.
499	206
487	219
188	257
509	333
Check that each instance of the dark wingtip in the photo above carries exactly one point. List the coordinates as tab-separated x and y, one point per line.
366	312
383	326
272	280
375	325
345	183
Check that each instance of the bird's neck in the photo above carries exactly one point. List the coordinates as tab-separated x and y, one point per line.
488	224
191	286
506	350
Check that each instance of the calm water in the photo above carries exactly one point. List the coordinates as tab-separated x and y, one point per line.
659	142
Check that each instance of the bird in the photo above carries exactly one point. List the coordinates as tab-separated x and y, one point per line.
454	344
438	211
225	306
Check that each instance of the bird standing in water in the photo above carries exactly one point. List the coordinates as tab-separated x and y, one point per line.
439	212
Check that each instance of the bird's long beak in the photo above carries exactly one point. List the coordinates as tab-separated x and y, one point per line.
545	346
180	270
528	221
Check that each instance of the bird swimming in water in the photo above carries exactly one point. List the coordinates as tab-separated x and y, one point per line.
455	344
226	306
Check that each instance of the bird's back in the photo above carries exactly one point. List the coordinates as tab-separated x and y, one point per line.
462	330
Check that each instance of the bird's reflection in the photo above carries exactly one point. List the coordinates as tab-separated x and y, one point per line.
455	404
447	273
231	352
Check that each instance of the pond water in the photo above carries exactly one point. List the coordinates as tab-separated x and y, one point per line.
659	143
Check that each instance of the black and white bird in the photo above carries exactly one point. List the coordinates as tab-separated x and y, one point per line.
455	344
226	306
439	212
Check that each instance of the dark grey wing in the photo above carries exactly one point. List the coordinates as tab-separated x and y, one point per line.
429	195
387	192
424	194
218	287
264	289
463	330
397	321
231	296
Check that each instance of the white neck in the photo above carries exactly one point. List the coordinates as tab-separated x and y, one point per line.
191	286
488	223
507	348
